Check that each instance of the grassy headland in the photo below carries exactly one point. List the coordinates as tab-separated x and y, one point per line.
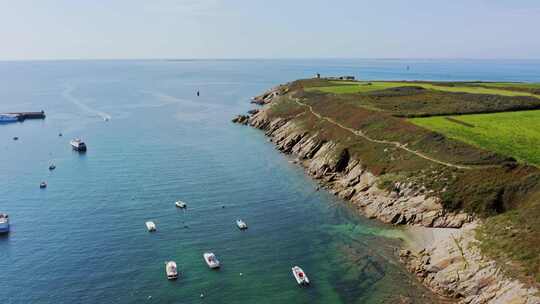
468	161
502	89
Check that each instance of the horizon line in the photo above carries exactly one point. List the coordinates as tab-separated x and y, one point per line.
261	58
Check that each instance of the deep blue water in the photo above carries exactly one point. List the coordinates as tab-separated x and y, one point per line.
83	239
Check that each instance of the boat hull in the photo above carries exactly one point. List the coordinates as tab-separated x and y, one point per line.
241	225
8	118
4	228
151	226
211	261
171	270
300	276
4	224
79	148
78	145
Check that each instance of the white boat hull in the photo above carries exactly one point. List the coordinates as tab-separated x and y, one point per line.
241	224
211	260
300	276
171	270
151	226
78	145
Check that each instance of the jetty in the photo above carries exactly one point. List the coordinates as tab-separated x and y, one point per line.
26	115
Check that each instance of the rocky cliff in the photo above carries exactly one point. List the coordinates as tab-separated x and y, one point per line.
449	263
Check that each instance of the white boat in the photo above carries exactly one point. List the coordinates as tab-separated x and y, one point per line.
4	223
300	276
78	145
151	226
5	118
241	224
211	260
180	204
171	270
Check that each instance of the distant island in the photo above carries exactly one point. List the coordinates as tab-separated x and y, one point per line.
456	163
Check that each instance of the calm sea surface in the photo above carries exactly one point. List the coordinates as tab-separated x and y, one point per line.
83	239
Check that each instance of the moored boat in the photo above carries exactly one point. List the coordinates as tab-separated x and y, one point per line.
43	185
171	270
300	276
4	223
241	224
211	260
180	204
78	145
6	118
151	226
52	166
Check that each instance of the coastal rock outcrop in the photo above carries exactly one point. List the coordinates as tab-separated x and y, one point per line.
241	119
450	264
269	95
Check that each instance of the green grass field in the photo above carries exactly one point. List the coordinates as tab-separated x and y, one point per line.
342	87
515	134
509	84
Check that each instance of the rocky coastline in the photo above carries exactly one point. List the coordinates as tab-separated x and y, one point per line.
441	251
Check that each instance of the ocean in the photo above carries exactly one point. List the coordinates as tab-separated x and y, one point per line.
152	141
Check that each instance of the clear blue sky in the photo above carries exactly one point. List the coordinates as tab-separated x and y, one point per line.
89	29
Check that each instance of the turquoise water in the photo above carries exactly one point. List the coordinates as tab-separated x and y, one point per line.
83	239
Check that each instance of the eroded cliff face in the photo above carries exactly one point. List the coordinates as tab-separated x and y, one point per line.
343	174
450	265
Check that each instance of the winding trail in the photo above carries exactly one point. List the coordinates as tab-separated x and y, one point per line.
386	142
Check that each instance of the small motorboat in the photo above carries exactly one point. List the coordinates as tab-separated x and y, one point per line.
15	138
78	145
43	185
59	134
241	224
151	226
180	204
211	260
52	167
171	270
300	276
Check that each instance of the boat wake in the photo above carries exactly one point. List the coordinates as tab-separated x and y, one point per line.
68	95
167	99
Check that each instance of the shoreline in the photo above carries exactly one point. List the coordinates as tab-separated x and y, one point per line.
440	245
447	261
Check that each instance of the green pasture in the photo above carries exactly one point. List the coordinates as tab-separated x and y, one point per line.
342	87
515	134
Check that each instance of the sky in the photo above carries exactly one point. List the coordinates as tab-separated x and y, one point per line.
140	29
